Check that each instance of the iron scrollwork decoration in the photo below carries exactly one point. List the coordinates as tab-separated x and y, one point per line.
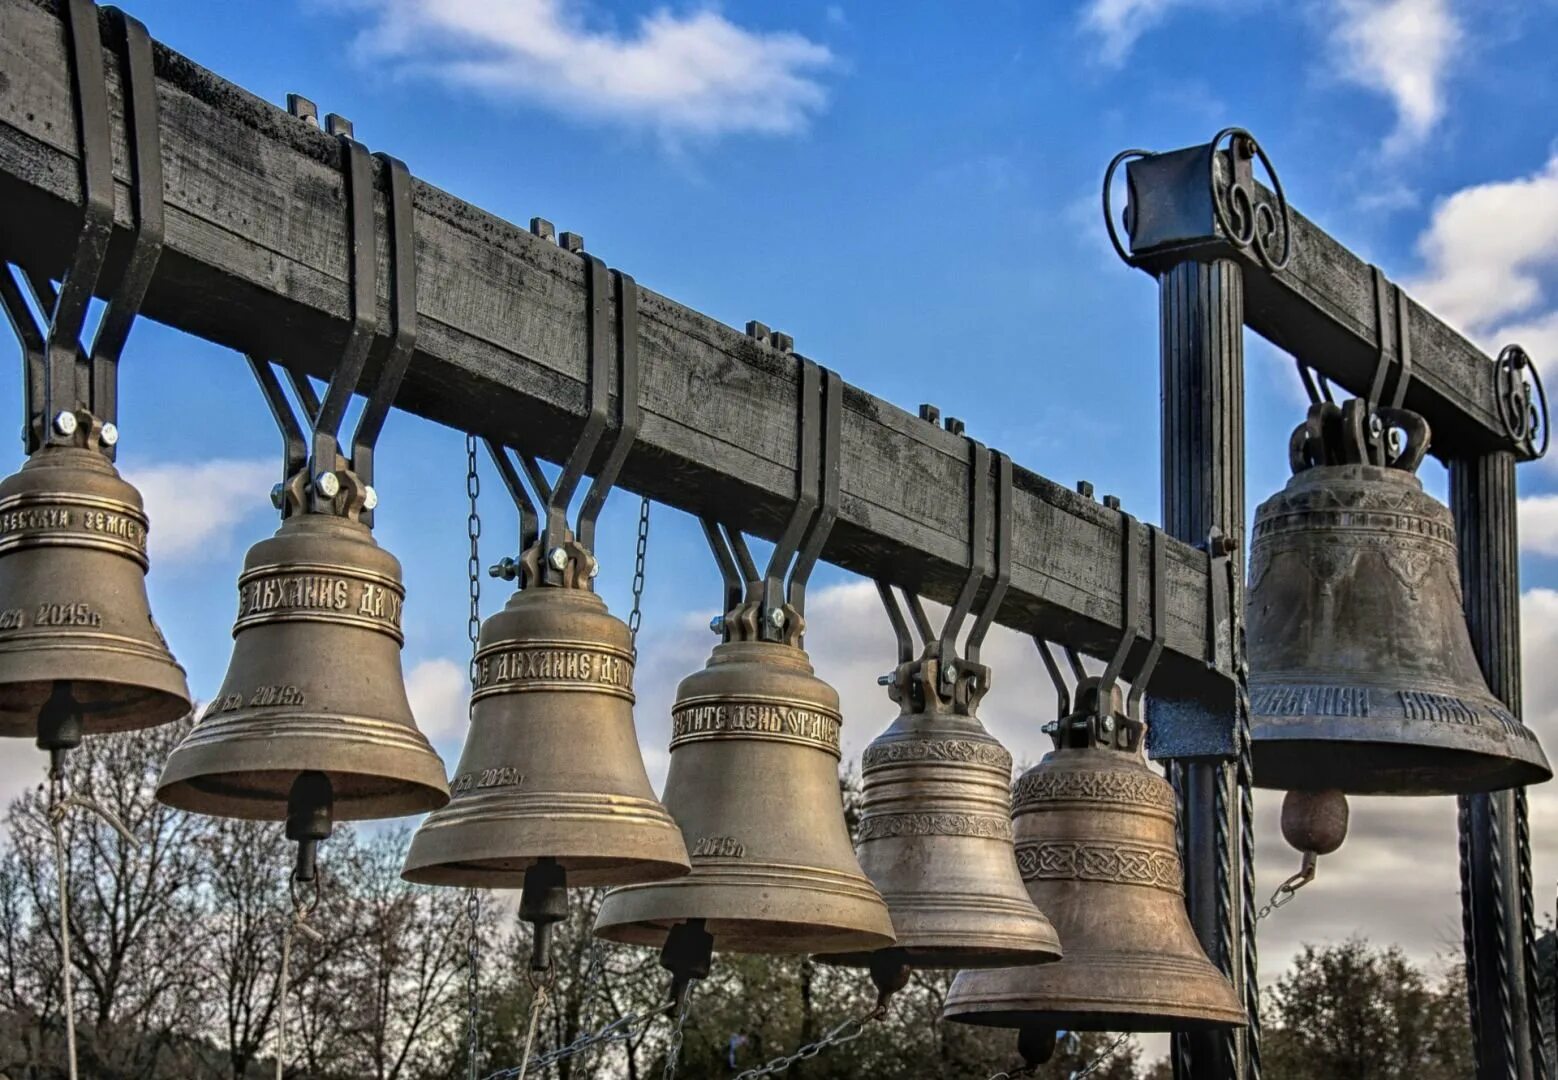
1198	197
1524	417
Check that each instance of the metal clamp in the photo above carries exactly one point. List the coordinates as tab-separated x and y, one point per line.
771	605
62	379
1398	355
960	682
550	552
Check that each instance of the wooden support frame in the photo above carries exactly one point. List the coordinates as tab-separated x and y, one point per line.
255	258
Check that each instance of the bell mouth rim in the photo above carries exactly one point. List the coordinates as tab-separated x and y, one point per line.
205	794
1146	1022
957	958
1287	754
509	872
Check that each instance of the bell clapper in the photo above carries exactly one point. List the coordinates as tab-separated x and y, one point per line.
1315	824
890	973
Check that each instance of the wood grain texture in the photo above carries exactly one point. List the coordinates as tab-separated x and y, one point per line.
256	260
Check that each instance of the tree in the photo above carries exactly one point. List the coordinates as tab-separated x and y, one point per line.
1354	1012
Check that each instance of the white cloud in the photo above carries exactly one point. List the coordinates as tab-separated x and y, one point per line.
696	74
1400	48
1119	24
1485	253
439	691
1539	524
195	509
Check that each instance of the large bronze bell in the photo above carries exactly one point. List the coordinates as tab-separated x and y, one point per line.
1362	674
1095	841
314	685
754	784
551	767
74	617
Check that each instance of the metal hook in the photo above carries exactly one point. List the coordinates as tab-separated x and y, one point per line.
806	496
144	138
828	508
597	286
627	405
403	315
1003	558
362	248
1129	616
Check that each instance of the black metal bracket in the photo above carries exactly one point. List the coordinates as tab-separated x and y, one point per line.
1521	416
1200	199
1395	353
771	605
70	394
550	552
961	681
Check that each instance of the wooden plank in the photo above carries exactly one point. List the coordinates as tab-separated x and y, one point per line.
256	260
1321	308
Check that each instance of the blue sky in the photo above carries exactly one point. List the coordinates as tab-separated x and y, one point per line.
911	191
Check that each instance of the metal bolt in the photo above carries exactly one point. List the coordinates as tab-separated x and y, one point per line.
1106	725
278	495
327	484
558	558
1376	425
717	624
594	566
776	618
505	568
109	436
370	498
65	423
888	679
1051	728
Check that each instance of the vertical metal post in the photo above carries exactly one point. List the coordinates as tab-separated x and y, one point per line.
1496	902
1201	307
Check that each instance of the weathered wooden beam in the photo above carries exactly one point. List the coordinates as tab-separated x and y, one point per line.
256	260
1323	306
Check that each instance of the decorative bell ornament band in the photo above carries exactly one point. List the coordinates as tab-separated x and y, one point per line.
935	831
551	783
1362	674
312	720
1096	843
753	779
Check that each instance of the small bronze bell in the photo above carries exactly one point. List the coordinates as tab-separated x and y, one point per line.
754	784
551	767
935	832
314	685
74	617
1362	674
1095	841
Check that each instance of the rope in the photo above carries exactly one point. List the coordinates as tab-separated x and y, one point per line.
537	1004
301	910
60	804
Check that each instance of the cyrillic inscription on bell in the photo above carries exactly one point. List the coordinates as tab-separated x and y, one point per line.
753	783
314	685
551	767
73	605
1362	675
1095	842
935	832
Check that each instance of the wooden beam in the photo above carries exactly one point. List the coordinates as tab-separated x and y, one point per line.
256	260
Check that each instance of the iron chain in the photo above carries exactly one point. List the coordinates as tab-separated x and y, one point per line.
673	1053
637	615
473	979
473	533
623	1029
847	1031
1088	1070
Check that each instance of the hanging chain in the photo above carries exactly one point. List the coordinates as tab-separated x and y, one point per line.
60	804
623	1029
302	908
637	615
473	631
848	1031
673	1053
1088	1070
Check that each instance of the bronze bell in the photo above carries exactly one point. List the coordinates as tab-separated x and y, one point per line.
1362	674
74	617
551	767
935	832
754	784
1095	841
314	686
